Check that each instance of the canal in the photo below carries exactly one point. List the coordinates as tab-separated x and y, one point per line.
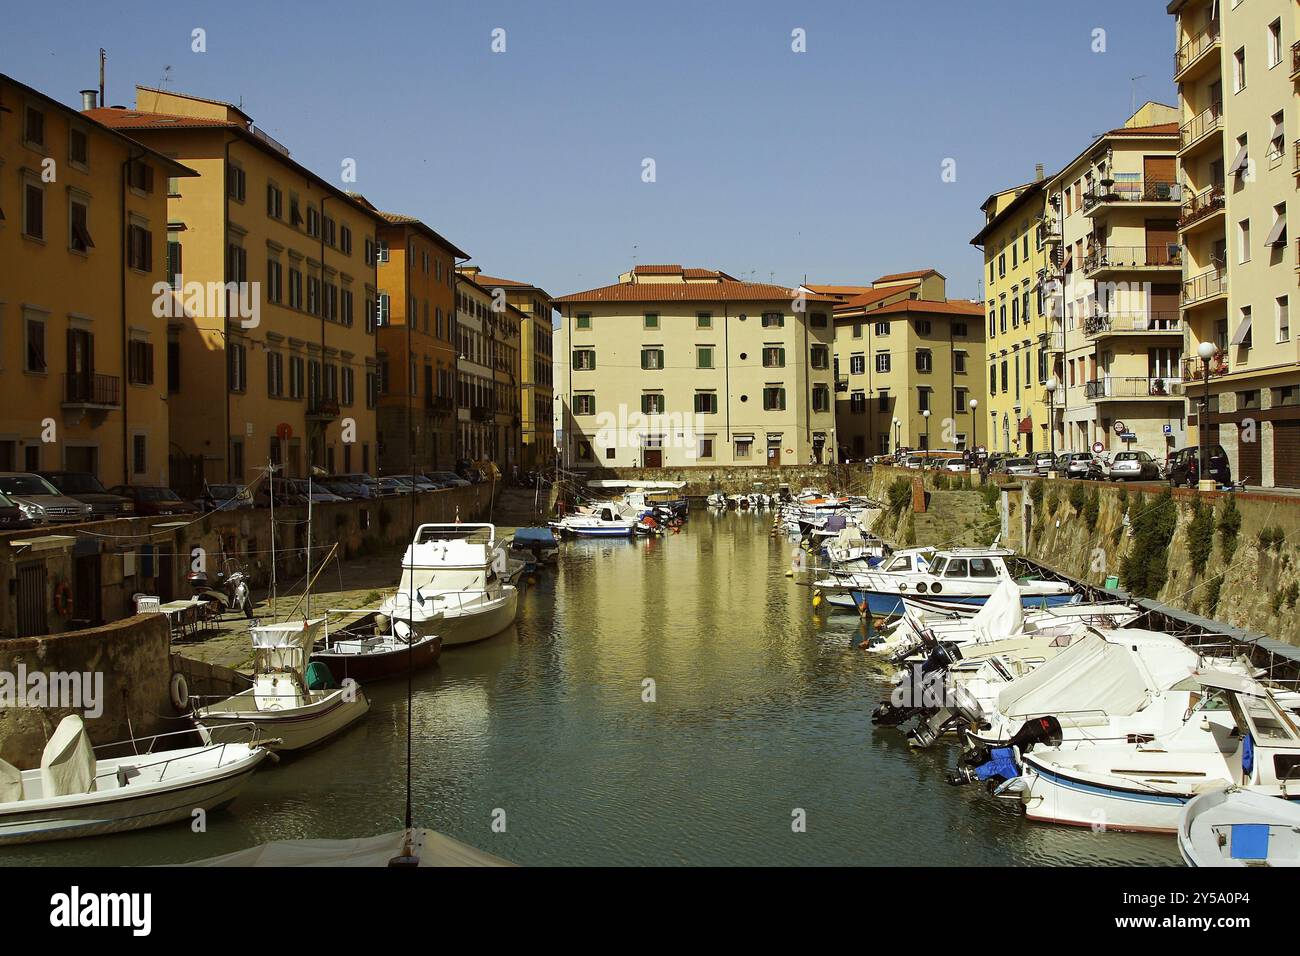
759	709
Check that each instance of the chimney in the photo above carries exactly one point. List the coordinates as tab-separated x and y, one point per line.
88	101
1038	173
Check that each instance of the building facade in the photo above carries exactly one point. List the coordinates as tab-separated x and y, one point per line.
272	348
672	366
83	227
1237	66
475	414
1117	281
902	349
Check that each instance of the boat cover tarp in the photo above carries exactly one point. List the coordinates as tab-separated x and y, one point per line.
68	763
534	536
11	783
285	646
1107	672
1002	615
433	849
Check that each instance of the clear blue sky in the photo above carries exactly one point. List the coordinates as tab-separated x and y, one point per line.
769	163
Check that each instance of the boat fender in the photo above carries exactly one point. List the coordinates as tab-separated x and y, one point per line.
180	691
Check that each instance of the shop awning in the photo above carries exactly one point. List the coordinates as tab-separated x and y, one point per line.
1026	425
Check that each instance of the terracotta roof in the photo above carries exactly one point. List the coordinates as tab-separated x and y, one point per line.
116	118
872	296
482	279
838	289
1160	129
657	270
725	291
950	307
920	273
400	219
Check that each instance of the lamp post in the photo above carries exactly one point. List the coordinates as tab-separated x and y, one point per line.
897	441
974	432
1206	351
926	415
1051	422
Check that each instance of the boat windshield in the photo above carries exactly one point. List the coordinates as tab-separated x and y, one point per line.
938	566
903	563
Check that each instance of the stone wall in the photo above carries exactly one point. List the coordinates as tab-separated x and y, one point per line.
703	480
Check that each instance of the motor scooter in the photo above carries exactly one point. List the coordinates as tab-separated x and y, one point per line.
228	592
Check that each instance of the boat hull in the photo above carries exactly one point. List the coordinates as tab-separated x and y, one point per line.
367	668
880	604
1053	797
235	719
458	628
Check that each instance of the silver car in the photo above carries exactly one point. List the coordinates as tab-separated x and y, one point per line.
39	501
1134	466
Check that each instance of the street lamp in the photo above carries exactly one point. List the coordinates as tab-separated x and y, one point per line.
1207	351
1051	422
897	440
926	415
974	431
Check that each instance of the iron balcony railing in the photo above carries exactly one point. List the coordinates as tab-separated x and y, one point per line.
91	388
1151	190
319	407
1131	386
1207	201
1297	157
1193	48
1207	121
1194	369
1295	57
842	383
1052	341
1152	256
1213	281
1102	323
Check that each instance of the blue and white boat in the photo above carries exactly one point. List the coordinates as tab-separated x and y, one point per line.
605	520
1234	827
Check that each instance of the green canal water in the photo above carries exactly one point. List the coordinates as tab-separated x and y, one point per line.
760	709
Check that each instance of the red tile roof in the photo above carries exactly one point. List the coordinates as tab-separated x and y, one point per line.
728	290
872	296
919	273
950	307
657	270
116	118
1160	129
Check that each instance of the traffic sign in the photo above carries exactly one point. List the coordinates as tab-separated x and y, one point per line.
1098	448
1120	428
1169	429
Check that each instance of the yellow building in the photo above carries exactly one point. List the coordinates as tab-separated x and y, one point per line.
1237	66
475	411
536	370
1119	272
83	227
1023	337
672	366
274	349
902	349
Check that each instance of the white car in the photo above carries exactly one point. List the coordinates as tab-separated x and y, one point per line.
955	464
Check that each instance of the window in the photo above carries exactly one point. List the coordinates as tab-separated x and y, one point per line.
295	376
238	378
1243	241
882	400
139	363
652	359
706	403
1277	139
706	446
704	356
139	454
313	295
1277	234
882	328
960	330
821	398
140	176
959	401
175	259
652	403
139	253
584	403
35	332
274	374
959	362
773	320
78	226
819	320
295	288
34	127
584	451
922	326
773	398
1004	376
923	398
582	322
858	403
274	201
820	357
1282	318
78	147
313	228
235	182
33	211
857	330
274	275
744	447
1002	265
651	320
924	361
1245	332
584	360
345	241
773	356
882	361
1239	70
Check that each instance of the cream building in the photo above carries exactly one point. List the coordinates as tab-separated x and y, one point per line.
1237	65
672	366
1119	270
475	410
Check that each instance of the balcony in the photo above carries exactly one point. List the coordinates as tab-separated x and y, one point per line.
480	413
1128	387
1109	259
1196	131
322	409
1295	60
90	390
1152	192
842	383
437	404
1196	55
1296	167
1135	323
1194	369
1049	230
1052	341
1202	205
1206	287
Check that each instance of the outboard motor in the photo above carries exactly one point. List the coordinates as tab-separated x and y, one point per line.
992	763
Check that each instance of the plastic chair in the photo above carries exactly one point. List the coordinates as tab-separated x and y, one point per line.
147	604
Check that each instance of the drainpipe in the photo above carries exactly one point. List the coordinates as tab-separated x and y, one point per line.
726	372
320	303
225	312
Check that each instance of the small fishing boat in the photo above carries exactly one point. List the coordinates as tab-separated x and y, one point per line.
1234	827
75	795
607	521
458	575
372	647
280	706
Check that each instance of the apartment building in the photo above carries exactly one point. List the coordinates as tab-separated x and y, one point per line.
271	348
475	412
1022	335
902	349
678	366
82	211
1116	287
1237	64
536	365
417	353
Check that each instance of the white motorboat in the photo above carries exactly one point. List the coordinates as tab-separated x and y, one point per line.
608	520
280	706
74	795
455	572
366	646
1235	827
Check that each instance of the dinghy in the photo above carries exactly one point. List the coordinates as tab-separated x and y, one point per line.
374	647
1234	827
74	795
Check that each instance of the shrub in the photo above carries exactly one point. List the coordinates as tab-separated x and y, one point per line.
1078	496
992	495
1092	510
1146	566
1271	538
1200	536
1211	600
1292	593
900	495
1229	526
1036	495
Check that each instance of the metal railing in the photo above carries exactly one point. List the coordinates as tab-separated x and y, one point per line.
1131	386
1207	201
320	407
1207	121
1194	369
1212	282
1297	157
1101	323
1193	48
1153	255
91	388
1295	57
1152	190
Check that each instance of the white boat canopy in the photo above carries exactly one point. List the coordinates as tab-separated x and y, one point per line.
640	485
1002	615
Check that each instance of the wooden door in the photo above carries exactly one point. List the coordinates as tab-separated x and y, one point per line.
774	456
32	601
1286	454
653	457
1249	458
1162	243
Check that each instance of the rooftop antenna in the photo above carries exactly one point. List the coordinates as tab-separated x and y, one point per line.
1132	103
103	58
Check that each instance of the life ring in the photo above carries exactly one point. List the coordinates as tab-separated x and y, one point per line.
63	599
180	690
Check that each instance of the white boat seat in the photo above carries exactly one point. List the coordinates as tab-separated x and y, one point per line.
68	763
11	783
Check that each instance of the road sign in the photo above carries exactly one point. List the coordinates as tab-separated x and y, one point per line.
1120	428
1129	436
1098	448
1169	429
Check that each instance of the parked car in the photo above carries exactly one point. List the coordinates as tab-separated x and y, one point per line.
1044	462
419	482
389	486
352	491
1017	466
956	464
11	516
315	492
1081	465
224	497
155	500
1134	466
449	478
87	489
39	501
1184	467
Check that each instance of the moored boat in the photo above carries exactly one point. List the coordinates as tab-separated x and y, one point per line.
373	647
1234	827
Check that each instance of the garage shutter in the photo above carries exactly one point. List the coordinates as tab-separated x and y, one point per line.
1286	454
1249	466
